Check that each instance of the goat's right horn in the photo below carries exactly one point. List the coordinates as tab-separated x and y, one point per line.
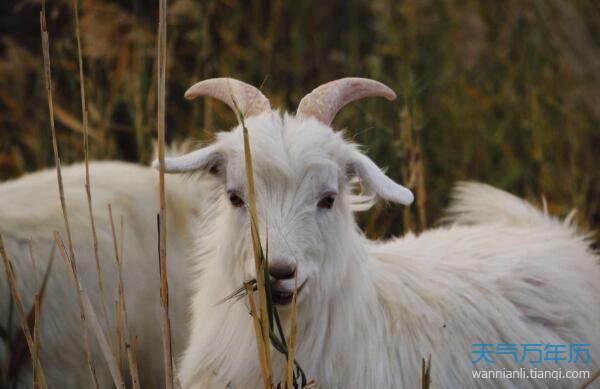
324	102
240	97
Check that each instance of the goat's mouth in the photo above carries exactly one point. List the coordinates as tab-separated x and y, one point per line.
282	295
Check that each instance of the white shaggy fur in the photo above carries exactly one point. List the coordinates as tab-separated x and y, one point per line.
30	208
368	312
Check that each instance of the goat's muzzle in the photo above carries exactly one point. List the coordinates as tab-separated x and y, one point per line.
282	279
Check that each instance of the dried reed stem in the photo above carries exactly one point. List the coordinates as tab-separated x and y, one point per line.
122	231
10	276
162	235
259	262
257	329
88	191
593	378
103	342
289	370
48	78
119	334
69	261
118	304
426	373
414	171
42	288
123	336
36	310
133	366
33	264
36	343
20	343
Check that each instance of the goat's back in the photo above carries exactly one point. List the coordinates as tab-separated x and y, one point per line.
30	209
500	271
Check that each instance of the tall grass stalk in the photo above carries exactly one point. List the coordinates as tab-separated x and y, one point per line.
33	262
119	332
18	344
260	262
133	365
260	343
130	351
36	317
16	298
426	373
289	366
595	375
86	147
123	337
36	343
162	219
88	310
109	357
70	263
118	345
48	79
41	291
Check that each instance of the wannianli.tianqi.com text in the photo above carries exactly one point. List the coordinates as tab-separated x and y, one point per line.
523	373
574	354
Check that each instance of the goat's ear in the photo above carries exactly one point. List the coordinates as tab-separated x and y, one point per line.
208	158
372	176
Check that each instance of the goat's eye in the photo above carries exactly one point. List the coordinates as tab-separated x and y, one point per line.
235	200
326	202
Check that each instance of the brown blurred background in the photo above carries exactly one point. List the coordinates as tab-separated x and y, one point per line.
504	92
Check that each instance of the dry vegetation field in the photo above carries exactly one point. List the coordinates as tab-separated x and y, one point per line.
506	92
503	92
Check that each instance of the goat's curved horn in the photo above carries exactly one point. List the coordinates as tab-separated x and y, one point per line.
240	97
324	102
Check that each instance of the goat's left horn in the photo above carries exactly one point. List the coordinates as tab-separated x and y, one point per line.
324	102
240	97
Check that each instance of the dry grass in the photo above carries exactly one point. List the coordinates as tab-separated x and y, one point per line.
70	263
595	375
37	377
17	344
515	106
289	367
16	298
86	147
426	373
162	217
446	127
123	337
260	342
132	359
110	359
266	317
260	261
48	79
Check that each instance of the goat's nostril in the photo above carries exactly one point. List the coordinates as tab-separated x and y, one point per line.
281	271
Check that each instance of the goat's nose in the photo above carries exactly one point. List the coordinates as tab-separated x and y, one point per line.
282	270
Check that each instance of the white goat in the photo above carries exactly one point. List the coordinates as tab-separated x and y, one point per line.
368	312
30	209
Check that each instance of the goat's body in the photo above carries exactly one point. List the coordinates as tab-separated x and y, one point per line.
501	273
30	208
